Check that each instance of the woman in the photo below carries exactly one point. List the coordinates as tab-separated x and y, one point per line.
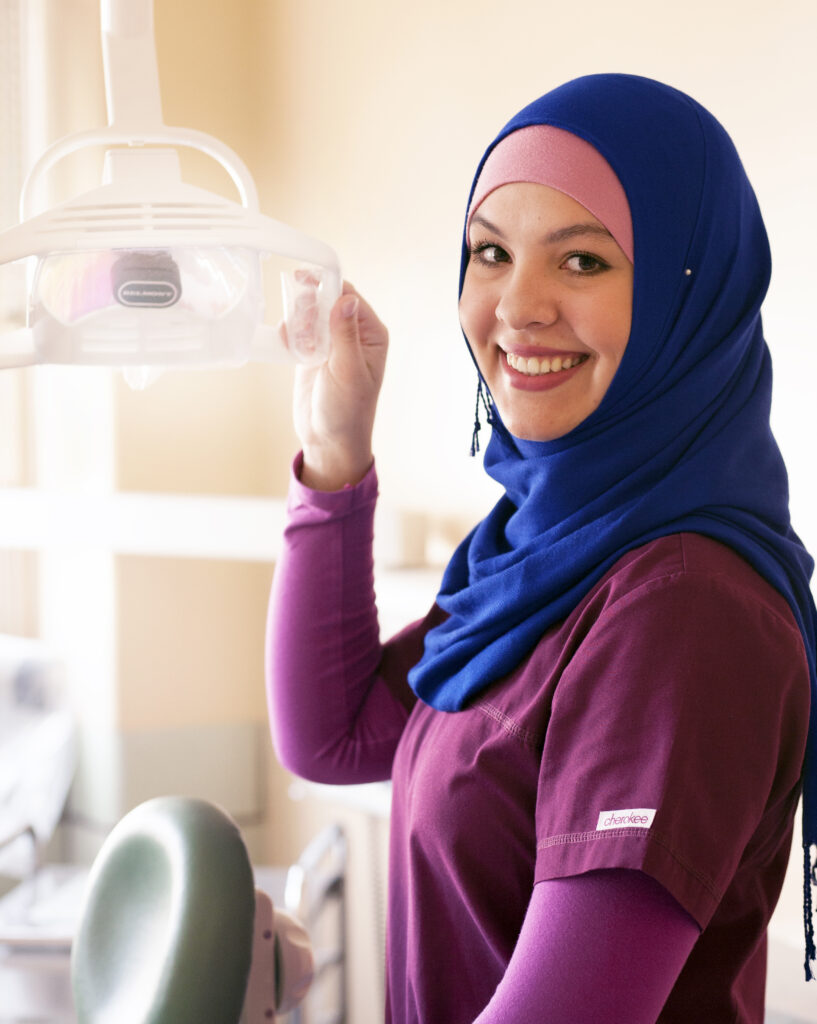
596	737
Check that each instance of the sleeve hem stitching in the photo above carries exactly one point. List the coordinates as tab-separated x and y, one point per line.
574	838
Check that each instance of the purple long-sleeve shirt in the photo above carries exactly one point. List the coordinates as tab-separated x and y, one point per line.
585	816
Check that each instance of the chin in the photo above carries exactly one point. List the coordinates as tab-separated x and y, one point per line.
520	424
521	428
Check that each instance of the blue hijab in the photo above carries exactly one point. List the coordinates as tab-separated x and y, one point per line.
681	440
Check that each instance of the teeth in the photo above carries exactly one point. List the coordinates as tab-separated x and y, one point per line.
534	367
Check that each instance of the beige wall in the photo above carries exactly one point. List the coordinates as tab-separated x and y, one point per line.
362	121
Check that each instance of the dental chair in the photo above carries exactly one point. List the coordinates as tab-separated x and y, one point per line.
173	930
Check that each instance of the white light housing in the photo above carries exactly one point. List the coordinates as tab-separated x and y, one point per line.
145	271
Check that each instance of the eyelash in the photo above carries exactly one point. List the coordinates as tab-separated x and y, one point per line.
478	248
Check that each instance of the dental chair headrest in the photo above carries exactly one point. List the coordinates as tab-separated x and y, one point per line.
166	934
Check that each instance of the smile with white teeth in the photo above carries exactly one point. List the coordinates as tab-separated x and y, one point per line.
535	366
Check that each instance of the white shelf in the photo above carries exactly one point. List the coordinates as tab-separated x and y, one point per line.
372	798
240	529
178	526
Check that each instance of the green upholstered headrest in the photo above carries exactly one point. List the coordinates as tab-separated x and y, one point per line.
165	936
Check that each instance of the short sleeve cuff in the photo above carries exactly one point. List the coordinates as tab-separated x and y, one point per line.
640	850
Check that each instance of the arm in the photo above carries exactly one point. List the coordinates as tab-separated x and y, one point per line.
333	718
603	946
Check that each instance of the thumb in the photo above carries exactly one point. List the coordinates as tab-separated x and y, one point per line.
344	329
343	320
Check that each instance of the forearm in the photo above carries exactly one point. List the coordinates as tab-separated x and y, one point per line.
604	946
332	717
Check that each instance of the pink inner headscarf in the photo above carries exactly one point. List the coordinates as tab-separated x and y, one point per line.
545	155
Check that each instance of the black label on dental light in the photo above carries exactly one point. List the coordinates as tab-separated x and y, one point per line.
155	294
146	278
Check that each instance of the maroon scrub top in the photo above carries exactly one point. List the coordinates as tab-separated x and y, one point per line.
661	727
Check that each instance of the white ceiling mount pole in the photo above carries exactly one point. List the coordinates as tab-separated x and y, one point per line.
131	71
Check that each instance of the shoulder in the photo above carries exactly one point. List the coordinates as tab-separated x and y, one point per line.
682	622
683	640
691	576
688	616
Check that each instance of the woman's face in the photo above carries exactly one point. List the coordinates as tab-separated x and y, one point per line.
546	307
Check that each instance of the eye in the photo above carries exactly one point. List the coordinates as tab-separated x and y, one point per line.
585	264
488	254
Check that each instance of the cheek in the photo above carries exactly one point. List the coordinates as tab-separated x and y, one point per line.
472	322
624	316
476	314
623	323
609	327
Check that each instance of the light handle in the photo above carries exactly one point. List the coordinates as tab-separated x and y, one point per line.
160	136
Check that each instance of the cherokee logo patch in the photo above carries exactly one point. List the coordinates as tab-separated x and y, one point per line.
635	817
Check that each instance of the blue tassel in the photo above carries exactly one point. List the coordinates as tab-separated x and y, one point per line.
809	879
486	405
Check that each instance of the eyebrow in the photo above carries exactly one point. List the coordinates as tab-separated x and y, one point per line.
559	235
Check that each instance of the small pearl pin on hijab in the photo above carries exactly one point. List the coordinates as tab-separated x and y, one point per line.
688	272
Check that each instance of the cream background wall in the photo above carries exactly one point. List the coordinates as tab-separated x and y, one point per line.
363	121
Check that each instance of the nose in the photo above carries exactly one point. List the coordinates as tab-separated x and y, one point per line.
528	299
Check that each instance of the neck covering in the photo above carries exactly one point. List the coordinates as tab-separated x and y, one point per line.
681	441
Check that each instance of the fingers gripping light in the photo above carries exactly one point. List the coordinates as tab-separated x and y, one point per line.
145	271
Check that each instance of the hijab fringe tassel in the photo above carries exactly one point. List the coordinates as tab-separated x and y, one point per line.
809	879
485	404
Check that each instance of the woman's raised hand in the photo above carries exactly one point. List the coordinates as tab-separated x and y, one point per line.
335	402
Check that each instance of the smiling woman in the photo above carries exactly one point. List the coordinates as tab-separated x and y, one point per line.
577	832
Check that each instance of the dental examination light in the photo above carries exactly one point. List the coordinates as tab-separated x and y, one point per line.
145	271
